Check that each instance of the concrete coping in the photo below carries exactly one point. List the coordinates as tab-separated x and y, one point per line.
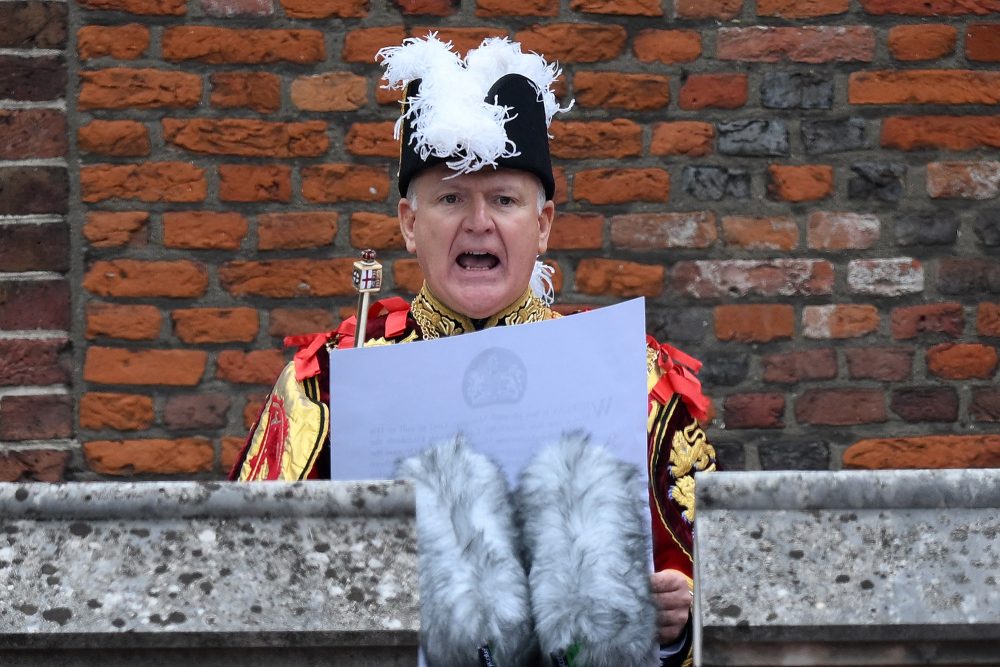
191	500
850	489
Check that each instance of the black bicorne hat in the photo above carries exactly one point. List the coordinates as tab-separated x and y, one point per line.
526	130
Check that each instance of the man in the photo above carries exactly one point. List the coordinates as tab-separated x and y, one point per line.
476	183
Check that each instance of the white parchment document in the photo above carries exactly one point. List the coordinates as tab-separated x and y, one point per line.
507	390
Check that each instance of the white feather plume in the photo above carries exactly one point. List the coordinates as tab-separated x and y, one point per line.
473	586
585	534
541	282
449	116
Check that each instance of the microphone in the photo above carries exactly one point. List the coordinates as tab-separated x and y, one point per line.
474	603
585	533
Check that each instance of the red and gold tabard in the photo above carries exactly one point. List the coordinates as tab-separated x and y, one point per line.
289	441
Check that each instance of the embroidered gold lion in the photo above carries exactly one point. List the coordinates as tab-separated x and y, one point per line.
689	453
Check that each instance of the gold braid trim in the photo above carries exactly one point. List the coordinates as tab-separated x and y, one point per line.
437	320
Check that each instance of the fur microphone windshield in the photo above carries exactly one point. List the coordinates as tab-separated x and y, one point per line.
585	534
450	115
473	587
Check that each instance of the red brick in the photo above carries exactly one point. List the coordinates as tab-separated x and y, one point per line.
32	78
302	229
982	42
40	417
148	7
577	231
804	44
619	186
928	86
962	361
407	276
35	304
215	325
123	42
330	91
618	7
958	133
289	277
561	195
259	91
255	182
252	409
988	319
247	137
802	366
124	88
798	183
34	362
376	231
331	183
230	448
938	318
149	182
119	138
427	7
840	407
112	229
294	321
179	279
773	233
839	321
711	279
372	140
925	404
32	133
921	42
754	323
930	7
885	277
34	246
361	45
203	230
127	322
218	46
654	231
151	456
255	367
593	139
928	451
107	365
708	9
714	91
33	25
121	412
801	9
322	9
33	465
754	411
667	46
829	230
636	92
462	39
963	180
985	406
33	190
599	276
684	137
574	42
386	96
517	8
888	364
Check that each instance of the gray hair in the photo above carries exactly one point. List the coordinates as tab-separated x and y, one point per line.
411	195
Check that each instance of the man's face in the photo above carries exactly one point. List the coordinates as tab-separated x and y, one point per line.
476	235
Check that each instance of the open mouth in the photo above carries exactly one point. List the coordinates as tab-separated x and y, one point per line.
477	261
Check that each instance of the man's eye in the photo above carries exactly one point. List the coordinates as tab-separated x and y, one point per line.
505	201
450	199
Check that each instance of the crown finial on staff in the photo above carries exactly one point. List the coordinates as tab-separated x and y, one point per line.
367	278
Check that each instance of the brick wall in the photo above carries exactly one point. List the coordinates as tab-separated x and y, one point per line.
807	192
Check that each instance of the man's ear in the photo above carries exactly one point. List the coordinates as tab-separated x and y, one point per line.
407	217
545	218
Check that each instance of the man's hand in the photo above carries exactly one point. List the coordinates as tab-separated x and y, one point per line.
672	598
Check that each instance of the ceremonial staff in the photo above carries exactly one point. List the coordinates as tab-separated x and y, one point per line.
367	279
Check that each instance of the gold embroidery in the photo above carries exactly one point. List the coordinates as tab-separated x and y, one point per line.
437	320
689	453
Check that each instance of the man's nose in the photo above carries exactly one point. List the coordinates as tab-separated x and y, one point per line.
480	218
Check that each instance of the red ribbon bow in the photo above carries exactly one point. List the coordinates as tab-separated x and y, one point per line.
678	377
393	308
